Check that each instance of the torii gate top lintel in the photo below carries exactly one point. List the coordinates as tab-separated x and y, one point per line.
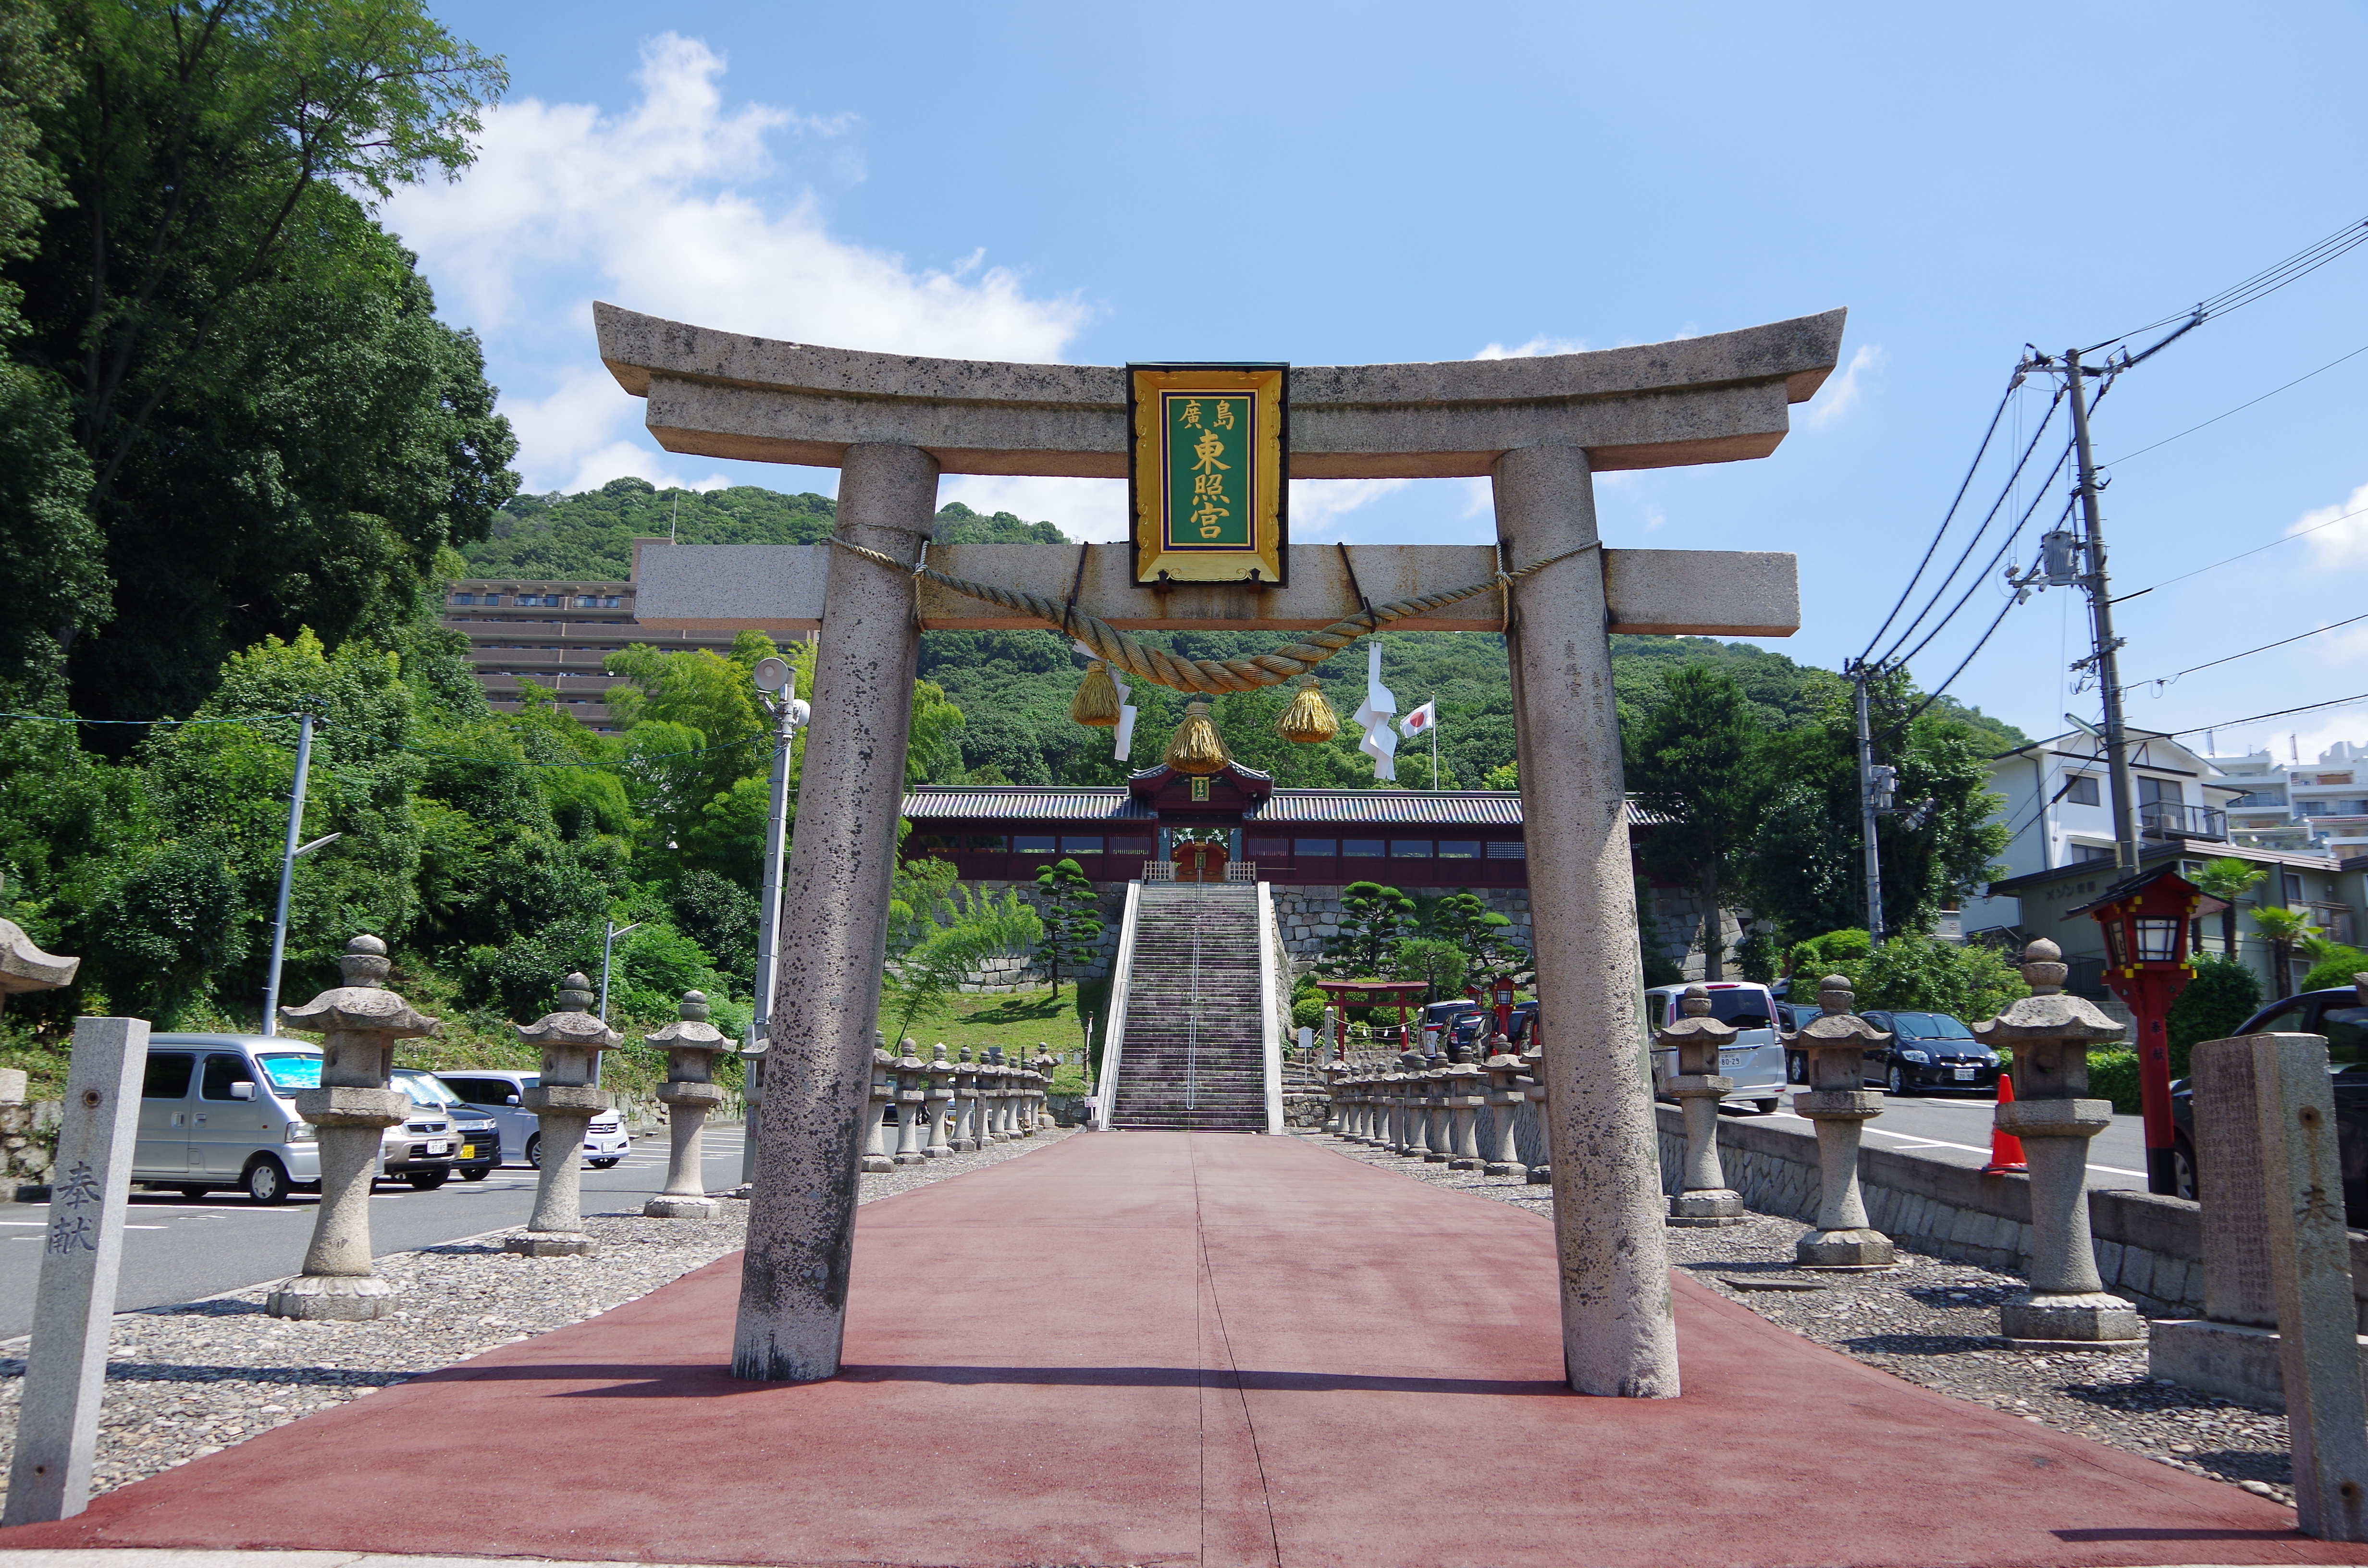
1718	398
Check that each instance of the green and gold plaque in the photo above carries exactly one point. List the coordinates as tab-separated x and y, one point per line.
1206	471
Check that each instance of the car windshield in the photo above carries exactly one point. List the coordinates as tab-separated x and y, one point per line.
289	1070
1929	1026
426	1091
1743	1006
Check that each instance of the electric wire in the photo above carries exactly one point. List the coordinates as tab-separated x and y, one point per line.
2165	680
2238	409
2267	281
2288	538
2005	493
321	724
2255	718
1958	500
2000	555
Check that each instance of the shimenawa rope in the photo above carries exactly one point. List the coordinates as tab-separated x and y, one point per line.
1209	676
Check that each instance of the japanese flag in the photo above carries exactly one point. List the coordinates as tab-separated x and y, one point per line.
1421	719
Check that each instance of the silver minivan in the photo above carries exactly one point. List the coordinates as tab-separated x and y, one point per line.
1755	1060
218	1110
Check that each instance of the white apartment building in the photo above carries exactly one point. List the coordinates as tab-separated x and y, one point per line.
2301	806
2060	809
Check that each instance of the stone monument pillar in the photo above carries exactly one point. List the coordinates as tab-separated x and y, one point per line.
2050	1035
875	1111
572	1040
689	1092
1533	1089
1705	1200
1839	1103
834	932
360	1021
1618	1333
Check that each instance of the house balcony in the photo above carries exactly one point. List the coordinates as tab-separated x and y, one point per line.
2168	821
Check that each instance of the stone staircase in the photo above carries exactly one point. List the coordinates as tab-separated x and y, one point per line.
1188	1065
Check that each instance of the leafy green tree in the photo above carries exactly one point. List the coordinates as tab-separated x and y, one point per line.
1914	973
1482	937
1434	960
1070	912
1757	956
1693	762
722	917
2284	929
1372	919
2228	880
1505	775
922	981
2333	965
2213	1006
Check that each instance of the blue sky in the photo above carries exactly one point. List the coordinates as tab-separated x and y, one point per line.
1340	184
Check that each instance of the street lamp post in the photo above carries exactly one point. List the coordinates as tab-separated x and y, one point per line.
776	688
609	946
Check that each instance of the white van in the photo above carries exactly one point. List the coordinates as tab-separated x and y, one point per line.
1755	1060
219	1110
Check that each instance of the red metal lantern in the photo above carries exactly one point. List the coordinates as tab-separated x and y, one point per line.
1503	995
2146	921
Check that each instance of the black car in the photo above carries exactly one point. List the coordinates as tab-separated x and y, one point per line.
2336	1016
1928	1054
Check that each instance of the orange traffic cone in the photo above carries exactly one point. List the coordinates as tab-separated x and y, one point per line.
2005	1149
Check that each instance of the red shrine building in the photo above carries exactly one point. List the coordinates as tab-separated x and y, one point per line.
1408	838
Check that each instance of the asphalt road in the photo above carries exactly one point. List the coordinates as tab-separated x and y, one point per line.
1955	1128
182	1249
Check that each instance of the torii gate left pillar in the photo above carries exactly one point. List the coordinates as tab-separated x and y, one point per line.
1538	430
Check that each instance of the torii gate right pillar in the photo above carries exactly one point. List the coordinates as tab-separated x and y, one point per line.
1617	1334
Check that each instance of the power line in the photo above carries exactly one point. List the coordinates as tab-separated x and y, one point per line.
2163	680
1983	576
2238	409
2255	718
2304	533
2005	493
1963	486
2267	281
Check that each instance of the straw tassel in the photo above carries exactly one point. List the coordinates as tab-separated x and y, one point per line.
1309	719
1196	748
1096	699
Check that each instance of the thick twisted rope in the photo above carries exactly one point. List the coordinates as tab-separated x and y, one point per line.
1208	676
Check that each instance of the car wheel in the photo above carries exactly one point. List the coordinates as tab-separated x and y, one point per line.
187	1191
2182	1165
534	1151
1895	1079
1767	1107
266	1182
427	1181
601	1165
477	1174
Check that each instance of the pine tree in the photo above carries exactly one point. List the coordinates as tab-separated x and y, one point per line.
1071	911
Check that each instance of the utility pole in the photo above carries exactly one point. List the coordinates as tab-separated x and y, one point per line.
287	874
2106	660
1875	784
776	689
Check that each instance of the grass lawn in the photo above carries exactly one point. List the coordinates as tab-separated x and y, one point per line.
1016	1020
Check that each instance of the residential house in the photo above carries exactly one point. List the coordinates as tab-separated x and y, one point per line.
2300	805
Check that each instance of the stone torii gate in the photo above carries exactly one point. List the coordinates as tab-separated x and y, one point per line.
1538	428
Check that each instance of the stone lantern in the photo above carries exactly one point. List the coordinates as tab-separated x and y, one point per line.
1045	1065
359	1022
1703	1199
875	1108
24	967
562	1101
2051	1035
1505	1101
1839	1103
689	1092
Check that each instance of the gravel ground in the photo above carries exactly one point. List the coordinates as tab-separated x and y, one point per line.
1935	1323
184	1381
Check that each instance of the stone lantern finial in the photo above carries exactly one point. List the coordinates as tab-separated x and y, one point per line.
575	994
1697	1002
1835	996
2044	968
364	963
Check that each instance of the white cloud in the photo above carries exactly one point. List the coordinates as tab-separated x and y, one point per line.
649	208
2334	542
1838	396
1318	506
1533	347
1091	509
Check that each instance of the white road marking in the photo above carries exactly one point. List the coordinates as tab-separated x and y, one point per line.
1922	1143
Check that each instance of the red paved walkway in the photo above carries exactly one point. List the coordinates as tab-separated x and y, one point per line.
1185	1349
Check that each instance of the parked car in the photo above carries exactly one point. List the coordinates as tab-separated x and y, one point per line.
1929	1052
500	1096
2338	1017
1755	1060
218	1111
477	1137
1789	1017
